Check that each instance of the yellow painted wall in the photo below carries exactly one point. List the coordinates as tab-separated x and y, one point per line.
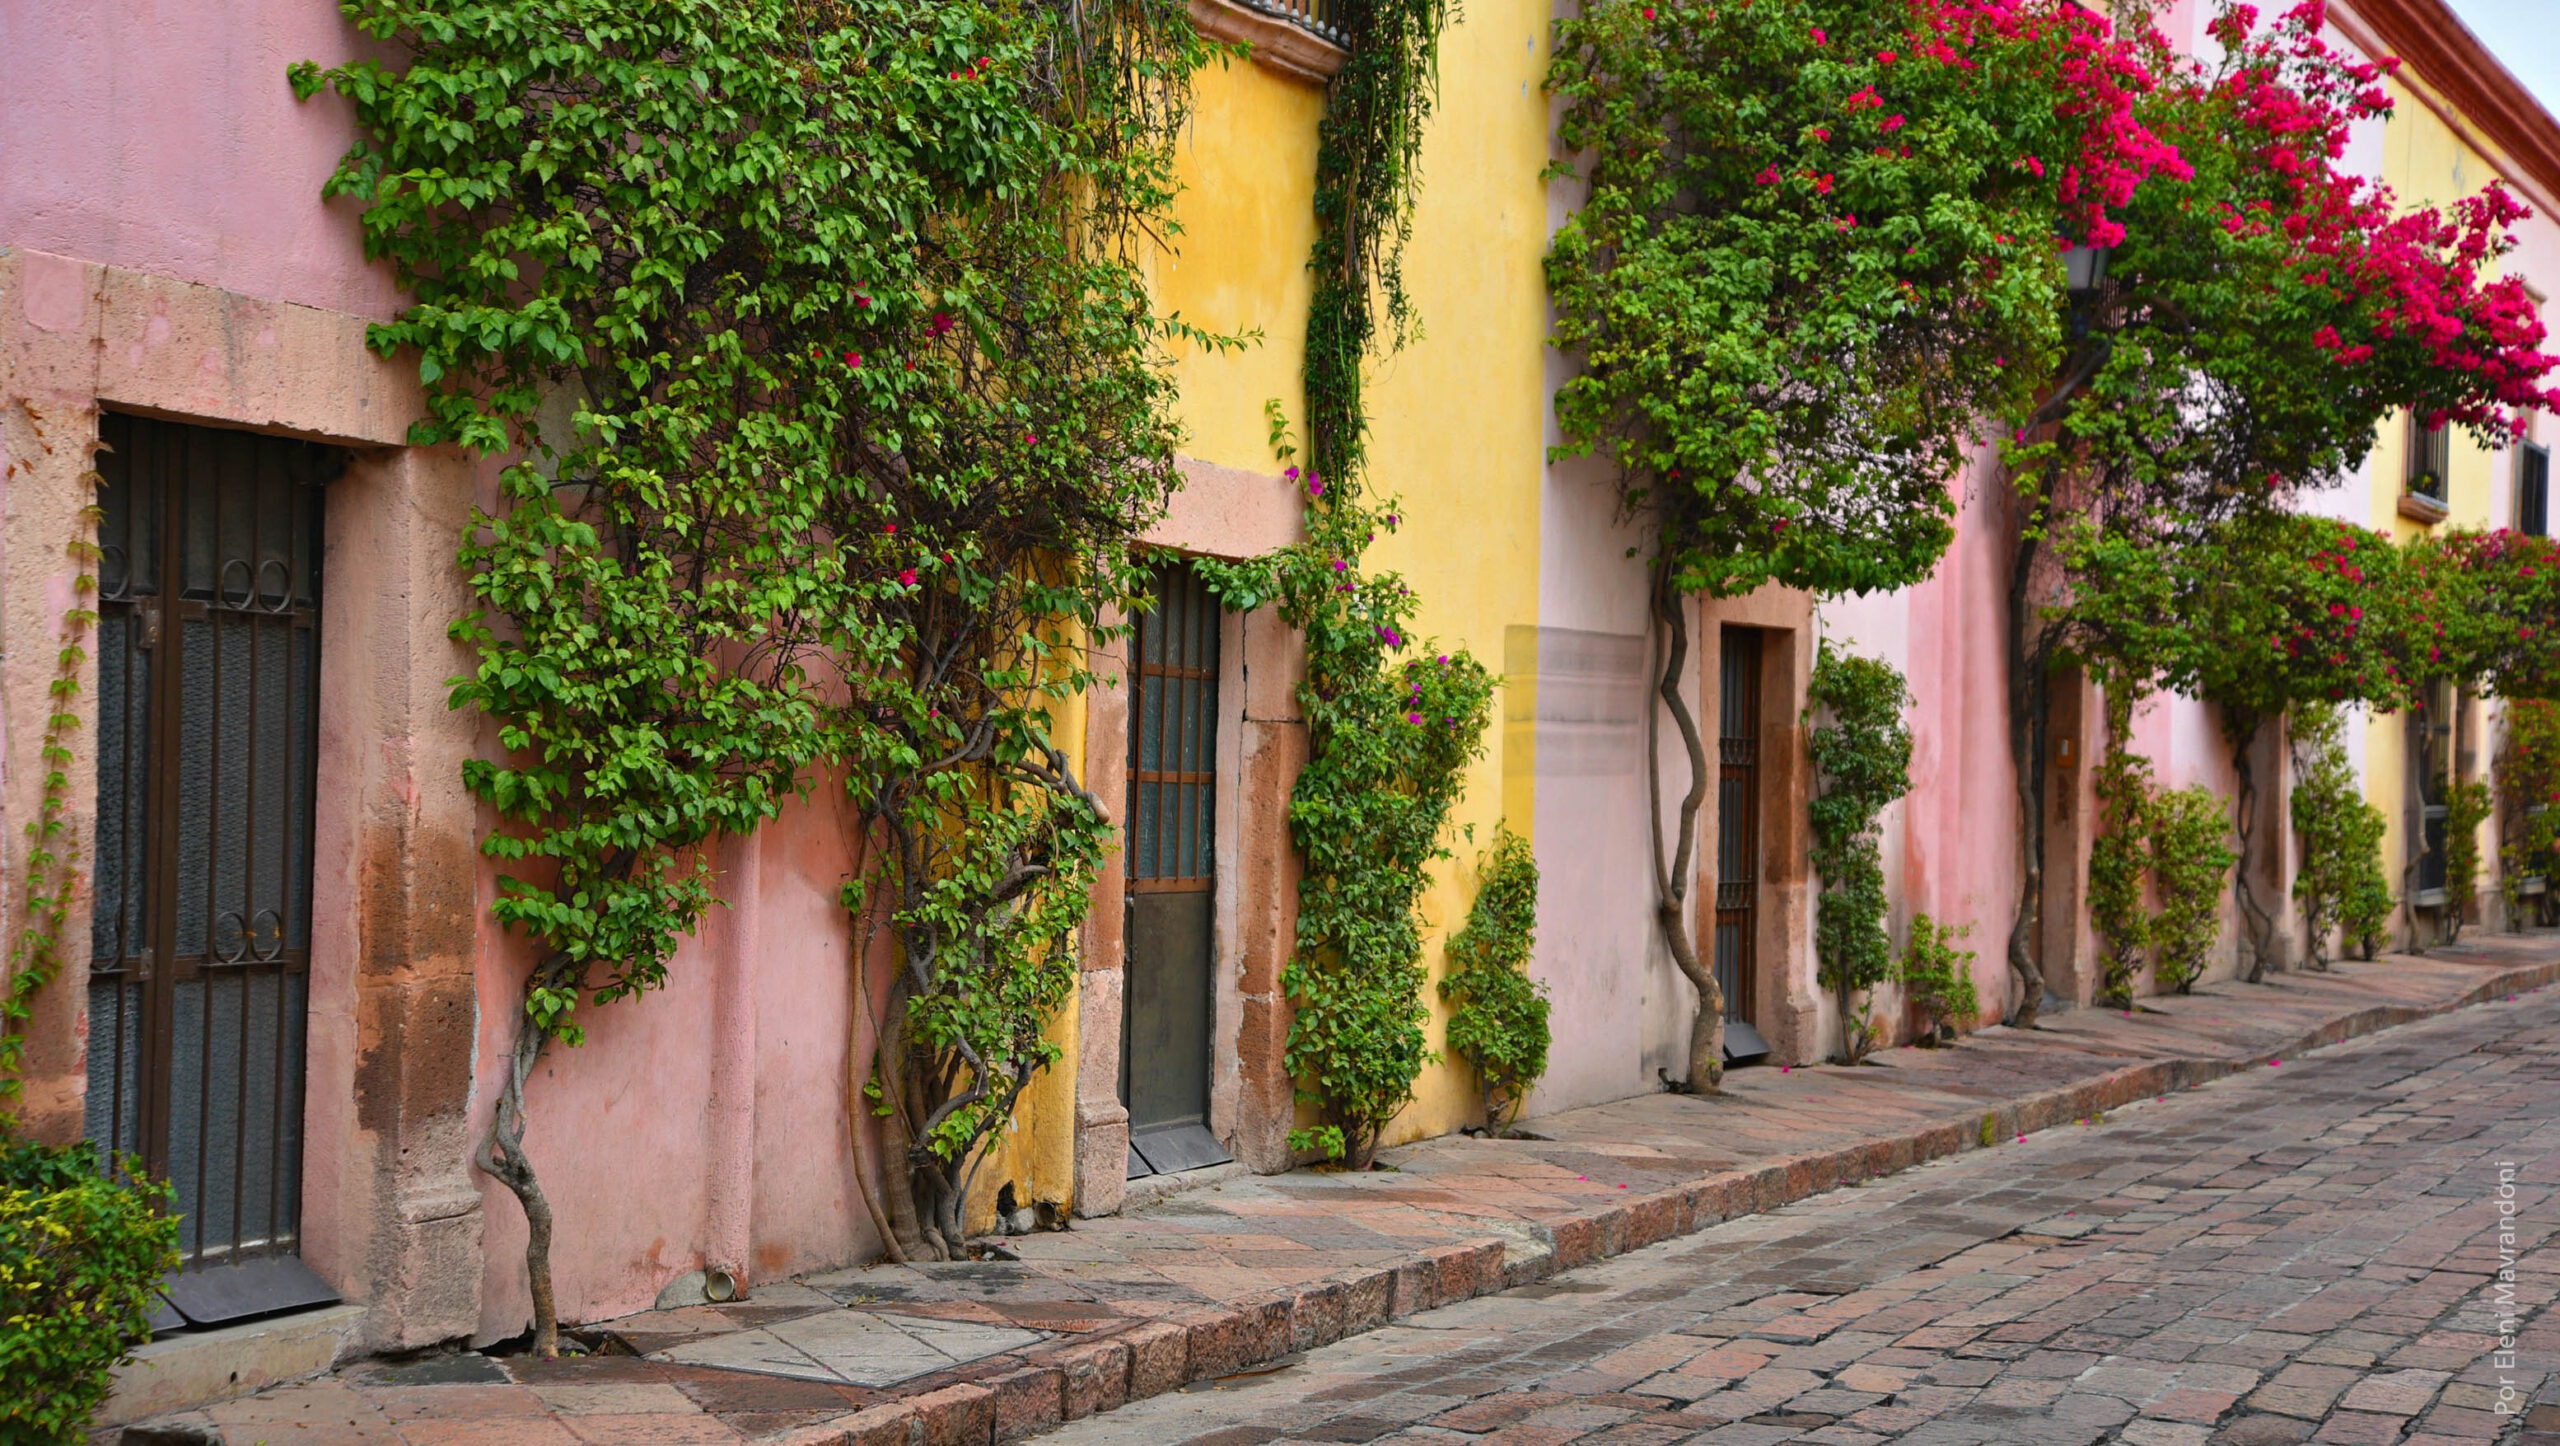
2424	162
1458	424
1456	416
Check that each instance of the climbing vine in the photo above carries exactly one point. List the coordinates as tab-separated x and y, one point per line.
1498	1014
1861	751
2466	806
2340	883
1368	153
52	876
1392	727
816	336
2120	855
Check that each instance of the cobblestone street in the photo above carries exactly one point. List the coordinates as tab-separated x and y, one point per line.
2306	1252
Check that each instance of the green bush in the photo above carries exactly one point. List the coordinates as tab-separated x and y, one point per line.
2120	856
1862	750
1936	975
1498	1019
82	1251
2341	876
2466	808
2189	864
2528	784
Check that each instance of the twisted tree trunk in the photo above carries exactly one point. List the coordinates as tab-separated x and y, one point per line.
2253	917
1671	874
502	1156
2030	711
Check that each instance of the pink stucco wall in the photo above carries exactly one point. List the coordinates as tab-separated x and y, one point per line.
629	1131
160	135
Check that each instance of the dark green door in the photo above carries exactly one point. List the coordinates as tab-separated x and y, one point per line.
1172	872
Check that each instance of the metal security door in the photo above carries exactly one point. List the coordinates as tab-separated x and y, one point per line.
1738	836
1173	788
200	943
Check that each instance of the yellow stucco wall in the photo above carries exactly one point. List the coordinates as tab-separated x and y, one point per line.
1456	416
2424	162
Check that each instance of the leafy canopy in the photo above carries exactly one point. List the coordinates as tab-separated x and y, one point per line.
1819	253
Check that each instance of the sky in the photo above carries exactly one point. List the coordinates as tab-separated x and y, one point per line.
2525	36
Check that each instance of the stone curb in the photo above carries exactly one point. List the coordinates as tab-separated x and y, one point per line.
1018	1395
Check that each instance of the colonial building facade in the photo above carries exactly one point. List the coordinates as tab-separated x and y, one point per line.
298	1007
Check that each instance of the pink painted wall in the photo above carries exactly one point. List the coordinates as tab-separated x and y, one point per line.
160	135
630	1135
1951	844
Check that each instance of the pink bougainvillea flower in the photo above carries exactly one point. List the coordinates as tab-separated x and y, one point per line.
1886	57
1413	718
890	528
907	577
1819	38
1768	176
1648	12
940	325
1892	123
1822	184
1340	566
853	358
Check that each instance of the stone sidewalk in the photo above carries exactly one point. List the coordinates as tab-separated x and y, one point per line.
1236	1275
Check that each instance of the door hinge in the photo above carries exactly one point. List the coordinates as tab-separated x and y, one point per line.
147	613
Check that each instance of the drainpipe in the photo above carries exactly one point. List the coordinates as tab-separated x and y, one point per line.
729	1158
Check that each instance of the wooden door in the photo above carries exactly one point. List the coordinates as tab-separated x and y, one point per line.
1738	823
1172	876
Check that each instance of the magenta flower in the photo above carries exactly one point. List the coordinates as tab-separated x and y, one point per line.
907	577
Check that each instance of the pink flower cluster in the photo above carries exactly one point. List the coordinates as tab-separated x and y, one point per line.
2417	275
2097	77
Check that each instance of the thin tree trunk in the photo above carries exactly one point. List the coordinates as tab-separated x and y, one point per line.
2030	709
2260	924
502	1156
1671	874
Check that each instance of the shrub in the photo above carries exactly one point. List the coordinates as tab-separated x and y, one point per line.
2120	856
1862	750
2341	869
82	1250
1936	976
2189	863
2466	807
1498	1021
2528	784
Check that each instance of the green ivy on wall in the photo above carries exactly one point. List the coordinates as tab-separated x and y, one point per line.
1498	1014
2340	884
1861	751
816	335
1393	724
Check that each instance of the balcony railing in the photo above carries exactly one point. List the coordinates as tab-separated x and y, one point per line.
1313	16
